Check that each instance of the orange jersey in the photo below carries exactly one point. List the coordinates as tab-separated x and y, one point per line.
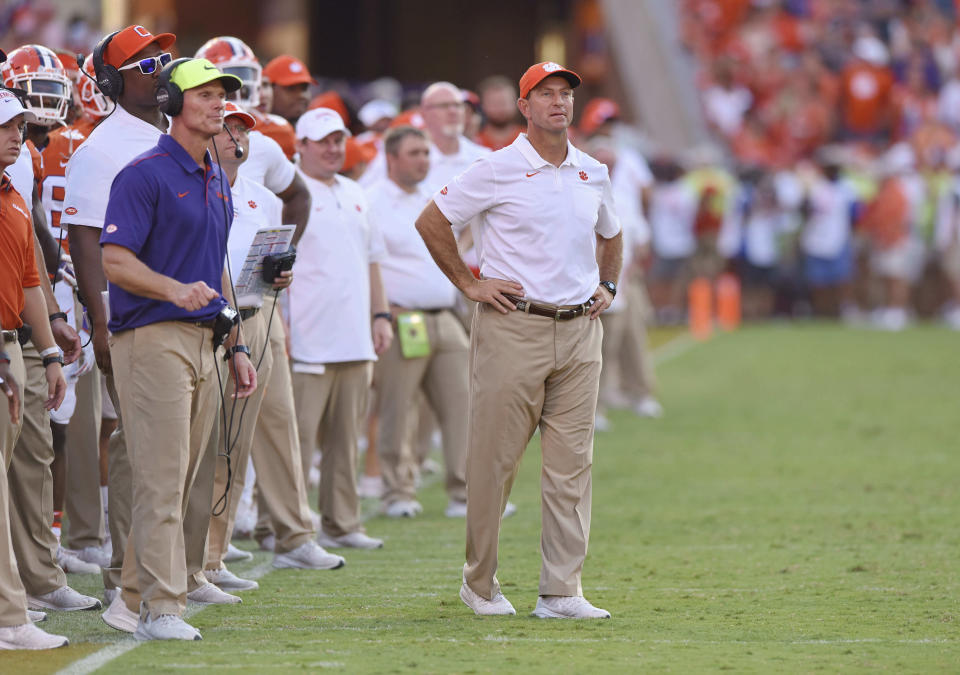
278	129
61	145
496	141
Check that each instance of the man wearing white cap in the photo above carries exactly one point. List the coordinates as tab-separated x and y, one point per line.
339	322
550	251
19	293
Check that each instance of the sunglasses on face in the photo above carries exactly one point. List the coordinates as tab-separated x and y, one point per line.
151	64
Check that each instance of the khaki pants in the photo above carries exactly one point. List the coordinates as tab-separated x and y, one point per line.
83	504
13	597
31	487
168	396
627	365
443	376
331	408
119	494
281	484
241	420
528	371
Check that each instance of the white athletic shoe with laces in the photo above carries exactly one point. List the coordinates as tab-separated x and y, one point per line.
209	594
457	509
499	606
228	581
64	599
28	636
567	607
94	554
404	508
165	627
349	540
308	556
70	562
119	617
36	617
649	407
235	554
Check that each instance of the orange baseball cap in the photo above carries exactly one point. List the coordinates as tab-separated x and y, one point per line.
539	72
411	118
597	112
286	71
356	153
231	109
332	100
131	40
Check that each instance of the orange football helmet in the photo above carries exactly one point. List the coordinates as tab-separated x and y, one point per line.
233	56
38	72
93	101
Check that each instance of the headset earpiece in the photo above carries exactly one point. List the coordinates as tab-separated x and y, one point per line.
169	95
109	79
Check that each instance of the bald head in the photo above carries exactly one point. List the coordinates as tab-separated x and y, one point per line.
442	109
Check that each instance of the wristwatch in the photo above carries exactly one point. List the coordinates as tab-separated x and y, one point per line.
383	315
610	286
233	350
55	358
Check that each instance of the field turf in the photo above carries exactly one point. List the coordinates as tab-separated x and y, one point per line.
795	511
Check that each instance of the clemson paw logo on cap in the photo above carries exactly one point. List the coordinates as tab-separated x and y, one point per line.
111	228
70	210
583	175
295	67
551	67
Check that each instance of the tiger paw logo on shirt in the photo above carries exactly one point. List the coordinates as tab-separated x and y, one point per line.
444	190
584	176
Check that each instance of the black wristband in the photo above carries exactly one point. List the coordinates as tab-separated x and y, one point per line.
234	349
384	315
58	315
53	358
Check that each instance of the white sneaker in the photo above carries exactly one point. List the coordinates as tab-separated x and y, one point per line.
166	627
29	636
567	607
370	487
235	554
499	606
228	581
268	543
64	599
405	508
209	594
601	423
36	617
96	555
509	509
308	556
649	407
455	509
349	540
71	563
430	466
119	617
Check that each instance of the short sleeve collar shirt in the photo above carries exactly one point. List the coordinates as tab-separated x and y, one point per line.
174	215
93	166
267	164
329	298
537	222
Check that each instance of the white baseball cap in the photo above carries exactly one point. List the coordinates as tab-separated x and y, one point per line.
319	123
10	107
375	110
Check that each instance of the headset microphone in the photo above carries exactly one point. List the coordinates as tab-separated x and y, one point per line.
237	150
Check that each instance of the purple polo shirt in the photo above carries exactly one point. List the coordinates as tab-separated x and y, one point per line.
170	212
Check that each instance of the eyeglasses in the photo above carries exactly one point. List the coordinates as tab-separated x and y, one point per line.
151	64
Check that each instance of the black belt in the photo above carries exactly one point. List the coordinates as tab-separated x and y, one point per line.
557	313
9	336
209	323
248	312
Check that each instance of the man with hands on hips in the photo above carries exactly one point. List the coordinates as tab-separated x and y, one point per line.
550	247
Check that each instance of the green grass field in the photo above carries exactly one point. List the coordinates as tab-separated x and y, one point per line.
795	511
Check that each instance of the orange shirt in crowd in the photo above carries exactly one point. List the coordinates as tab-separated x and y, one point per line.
61	143
887	218
18	262
499	140
866	97
279	129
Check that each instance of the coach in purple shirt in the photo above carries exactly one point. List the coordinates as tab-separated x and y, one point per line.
164	242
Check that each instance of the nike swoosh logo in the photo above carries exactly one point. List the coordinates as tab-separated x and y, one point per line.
530	175
209	68
181	195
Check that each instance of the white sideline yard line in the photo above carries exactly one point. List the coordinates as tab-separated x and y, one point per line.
668	351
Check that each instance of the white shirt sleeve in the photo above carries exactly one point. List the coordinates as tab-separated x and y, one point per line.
469	194
280	171
376	245
89	176
608	223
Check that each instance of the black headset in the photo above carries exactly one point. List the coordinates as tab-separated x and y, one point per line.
169	94
109	79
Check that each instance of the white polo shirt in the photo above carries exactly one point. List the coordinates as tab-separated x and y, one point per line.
329	298
98	160
537	223
828	228
267	165
410	275
254	207
443	168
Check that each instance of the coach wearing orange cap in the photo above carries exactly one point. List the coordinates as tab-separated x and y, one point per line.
551	250
291	82
126	64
